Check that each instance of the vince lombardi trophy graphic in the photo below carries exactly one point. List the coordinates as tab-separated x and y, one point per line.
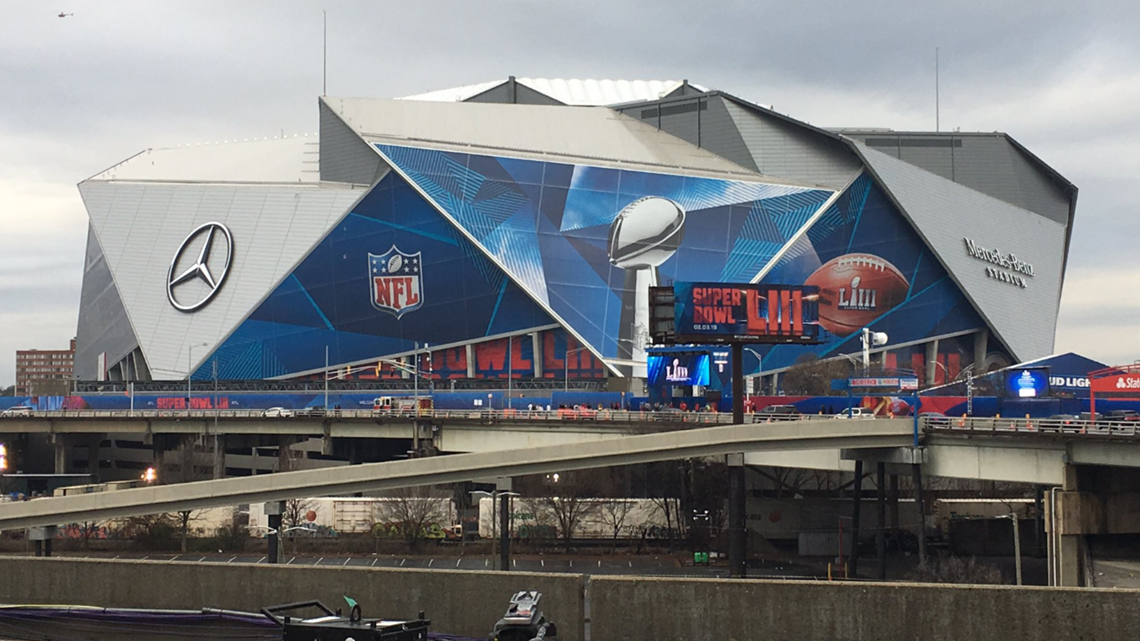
646	233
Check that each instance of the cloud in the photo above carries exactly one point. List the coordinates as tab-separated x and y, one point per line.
120	76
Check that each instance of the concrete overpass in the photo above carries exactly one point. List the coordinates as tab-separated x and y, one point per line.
818	434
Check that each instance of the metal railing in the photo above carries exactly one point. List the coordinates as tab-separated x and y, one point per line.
996	425
483	415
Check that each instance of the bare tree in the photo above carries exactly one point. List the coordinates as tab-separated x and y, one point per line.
570	507
811	376
410	513
613	513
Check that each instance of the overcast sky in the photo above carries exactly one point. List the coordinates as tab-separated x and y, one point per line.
82	92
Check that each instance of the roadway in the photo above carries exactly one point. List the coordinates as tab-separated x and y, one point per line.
698	442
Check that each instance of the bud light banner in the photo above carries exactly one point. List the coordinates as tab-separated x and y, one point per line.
722	313
678	369
1027	383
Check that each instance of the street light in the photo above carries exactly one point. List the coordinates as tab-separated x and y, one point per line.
190	370
566	363
759	366
870	339
494	496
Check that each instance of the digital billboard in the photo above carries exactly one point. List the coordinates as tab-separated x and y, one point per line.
723	312
678	369
1027	382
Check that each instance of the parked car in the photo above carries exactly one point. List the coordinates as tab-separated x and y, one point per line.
277	412
18	410
778	413
1122	415
1089	416
856	412
937	419
1065	419
316	411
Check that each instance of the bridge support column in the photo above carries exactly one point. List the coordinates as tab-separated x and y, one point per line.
284	455
219	456
93	457
737	541
893	504
61	444
503	488
916	470
881	504
273	512
856	496
737	508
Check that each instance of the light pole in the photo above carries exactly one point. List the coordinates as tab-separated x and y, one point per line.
500	534
759	366
190	370
566	363
510	369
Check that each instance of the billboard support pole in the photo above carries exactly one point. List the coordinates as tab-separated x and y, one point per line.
737	548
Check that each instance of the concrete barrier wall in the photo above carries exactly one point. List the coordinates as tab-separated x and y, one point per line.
457	602
696	609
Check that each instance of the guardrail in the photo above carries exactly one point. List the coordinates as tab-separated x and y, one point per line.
1047	426
484	415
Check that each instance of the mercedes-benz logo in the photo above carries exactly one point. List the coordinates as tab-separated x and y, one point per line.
200	270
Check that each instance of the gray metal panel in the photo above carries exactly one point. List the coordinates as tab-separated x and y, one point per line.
991	165
784	149
946	213
344	156
103	323
524	95
988	163
498	93
141	225
703	121
593	135
720	135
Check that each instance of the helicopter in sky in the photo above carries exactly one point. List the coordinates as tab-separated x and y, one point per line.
64	15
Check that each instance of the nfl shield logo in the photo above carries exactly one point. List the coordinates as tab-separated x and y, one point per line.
396	284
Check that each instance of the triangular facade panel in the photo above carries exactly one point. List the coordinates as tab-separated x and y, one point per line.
393	274
873	270
104	327
142	226
549	225
1004	256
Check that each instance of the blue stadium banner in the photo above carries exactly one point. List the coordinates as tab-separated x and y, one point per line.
748	313
678	369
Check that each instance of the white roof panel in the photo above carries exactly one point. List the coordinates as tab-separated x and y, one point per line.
587	135
280	160
570	91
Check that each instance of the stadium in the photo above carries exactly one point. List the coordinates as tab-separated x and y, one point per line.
481	227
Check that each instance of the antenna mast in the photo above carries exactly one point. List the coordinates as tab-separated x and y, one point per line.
937	119
325	55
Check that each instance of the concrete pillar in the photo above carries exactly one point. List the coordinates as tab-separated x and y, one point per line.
470	360
737	541
916	470
1068	546
881	533
536	351
284	459
219	456
856	497
893	503
93	457
981	347
61	445
503	488
931	361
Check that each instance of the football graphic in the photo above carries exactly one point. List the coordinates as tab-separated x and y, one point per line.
395	263
646	233
855	289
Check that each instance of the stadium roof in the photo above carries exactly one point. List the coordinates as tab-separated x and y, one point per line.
571	91
278	160
601	136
